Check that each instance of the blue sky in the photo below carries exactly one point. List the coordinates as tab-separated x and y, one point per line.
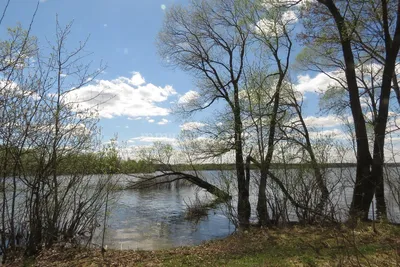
123	35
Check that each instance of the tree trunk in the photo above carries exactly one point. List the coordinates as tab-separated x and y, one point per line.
320	182
314	163
363	185
262	210
266	163
212	189
244	208
207	186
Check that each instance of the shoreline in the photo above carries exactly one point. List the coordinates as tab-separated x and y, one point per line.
276	246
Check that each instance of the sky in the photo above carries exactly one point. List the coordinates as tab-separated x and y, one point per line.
122	34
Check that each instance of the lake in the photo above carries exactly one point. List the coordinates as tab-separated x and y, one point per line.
155	219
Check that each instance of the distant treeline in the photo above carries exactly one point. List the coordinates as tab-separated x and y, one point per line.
84	163
99	163
215	166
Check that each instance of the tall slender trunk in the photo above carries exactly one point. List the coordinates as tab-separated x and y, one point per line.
364	186
3	210
380	130
266	163
35	231
54	159
244	209
320	182
262	209
314	163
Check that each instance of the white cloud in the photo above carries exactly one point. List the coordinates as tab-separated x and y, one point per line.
135	119
123	96
189	126
320	83
276	22
152	139
188	97
289	17
163	122
328	121
334	133
136	79
151	120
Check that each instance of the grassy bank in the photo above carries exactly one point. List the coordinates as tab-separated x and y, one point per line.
293	246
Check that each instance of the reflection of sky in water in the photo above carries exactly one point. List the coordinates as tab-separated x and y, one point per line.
155	219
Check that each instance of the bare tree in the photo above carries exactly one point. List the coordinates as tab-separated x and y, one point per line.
42	127
271	26
208	39
296	132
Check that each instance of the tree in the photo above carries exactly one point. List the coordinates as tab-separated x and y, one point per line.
209	40
42	126
167	159
14	55
345	27
296	132
271	26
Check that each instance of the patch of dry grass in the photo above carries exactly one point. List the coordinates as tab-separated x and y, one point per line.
292	246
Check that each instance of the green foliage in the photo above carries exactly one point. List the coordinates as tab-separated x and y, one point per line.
17	49
334	99
140	166
105	162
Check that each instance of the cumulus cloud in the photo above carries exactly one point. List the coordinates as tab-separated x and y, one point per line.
188	97
123	96
189	126
334	133
371	74
135	119
276	20
163	122
328	121
320	83
152	139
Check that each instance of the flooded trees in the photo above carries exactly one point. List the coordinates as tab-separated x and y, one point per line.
209	40
271	26
368	34
239	52
43	200
16	112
